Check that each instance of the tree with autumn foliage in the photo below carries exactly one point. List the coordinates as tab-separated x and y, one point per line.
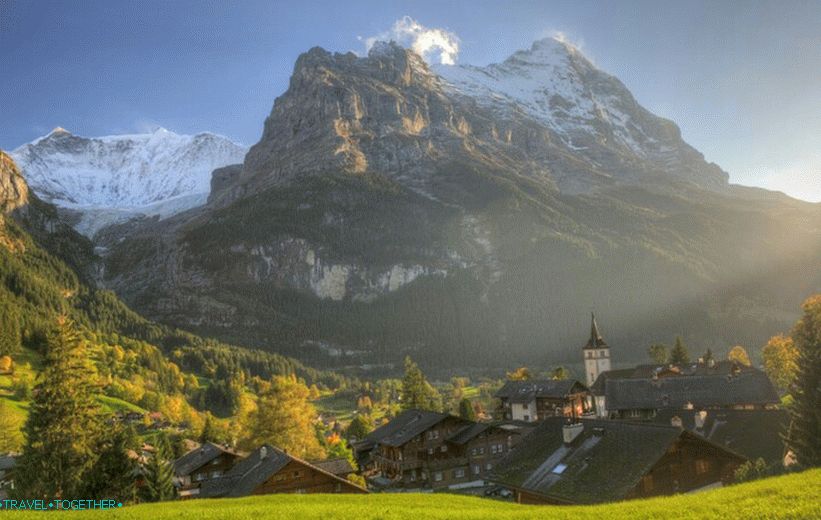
520	374
285	418
739	355
780	357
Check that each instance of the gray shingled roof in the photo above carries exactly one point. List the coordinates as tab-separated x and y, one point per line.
254	470
604	463
198	457
526	391
752	433
334	466
747	387
685	369
404	427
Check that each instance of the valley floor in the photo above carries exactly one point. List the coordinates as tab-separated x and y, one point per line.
790	497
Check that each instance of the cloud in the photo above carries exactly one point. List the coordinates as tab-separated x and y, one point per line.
433	44
563	37
799	180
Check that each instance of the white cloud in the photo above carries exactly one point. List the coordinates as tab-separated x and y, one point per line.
433	44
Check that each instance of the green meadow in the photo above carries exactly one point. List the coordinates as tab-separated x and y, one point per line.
794	496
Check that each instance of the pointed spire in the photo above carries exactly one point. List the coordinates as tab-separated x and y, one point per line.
596	340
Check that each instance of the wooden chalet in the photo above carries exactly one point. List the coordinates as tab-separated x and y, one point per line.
642	392
593	461
207	462
270	470
422	449
532	401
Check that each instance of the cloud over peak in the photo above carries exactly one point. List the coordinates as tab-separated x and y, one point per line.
435	45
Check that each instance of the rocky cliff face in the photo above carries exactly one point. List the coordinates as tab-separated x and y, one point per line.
14	191
466	214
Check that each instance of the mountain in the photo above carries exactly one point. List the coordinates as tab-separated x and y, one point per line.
138	363
114	178
471	217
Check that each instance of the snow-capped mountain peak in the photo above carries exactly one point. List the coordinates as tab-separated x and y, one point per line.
125	172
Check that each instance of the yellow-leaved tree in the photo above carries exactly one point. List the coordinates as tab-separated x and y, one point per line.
779	356
284	418
739	355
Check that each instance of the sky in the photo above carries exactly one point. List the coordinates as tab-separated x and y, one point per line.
742	79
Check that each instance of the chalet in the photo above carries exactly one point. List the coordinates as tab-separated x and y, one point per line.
340	467
202	464
532	401
752	433
593	461
643	398
427	449
269	470
7	464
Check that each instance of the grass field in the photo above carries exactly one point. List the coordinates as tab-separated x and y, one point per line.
791	497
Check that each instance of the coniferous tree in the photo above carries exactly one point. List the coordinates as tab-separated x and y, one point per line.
708	356
360	426
466	410
805	429
208	432
158	474
63	425
679	353
10	334
658	353
115	472
417	393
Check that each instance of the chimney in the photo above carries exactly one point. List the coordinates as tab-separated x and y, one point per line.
700	418
571	431
263	452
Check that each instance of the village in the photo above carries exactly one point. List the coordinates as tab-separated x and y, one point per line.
654	429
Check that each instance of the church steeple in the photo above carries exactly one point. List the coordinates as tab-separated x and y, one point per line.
596	353
596	340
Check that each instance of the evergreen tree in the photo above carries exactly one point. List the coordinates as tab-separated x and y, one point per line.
658	353
10	334
466	410
208	434
805	429
708	356
360	426
679	353
417	393
158	474
115	472
63	425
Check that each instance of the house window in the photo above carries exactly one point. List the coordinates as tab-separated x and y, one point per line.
430	451
216	461
199	476
444	448
482	450
216	473
488	466
493	449
413	475
477	469
702	466
437	476
526	417
473	451
559	469
634	413
459	473
433	434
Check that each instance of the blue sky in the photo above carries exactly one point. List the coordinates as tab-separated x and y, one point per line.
742	79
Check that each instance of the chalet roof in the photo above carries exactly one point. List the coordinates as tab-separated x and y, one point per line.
582	471
752	433
338	466
746	387
404	427
649	371
254	470
198	457
596	341
526	391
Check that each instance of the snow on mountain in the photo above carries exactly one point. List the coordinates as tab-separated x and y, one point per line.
555	84
160	173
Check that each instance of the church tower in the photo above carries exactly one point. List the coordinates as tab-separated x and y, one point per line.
596	353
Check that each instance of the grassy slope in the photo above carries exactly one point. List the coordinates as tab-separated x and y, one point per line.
791	496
